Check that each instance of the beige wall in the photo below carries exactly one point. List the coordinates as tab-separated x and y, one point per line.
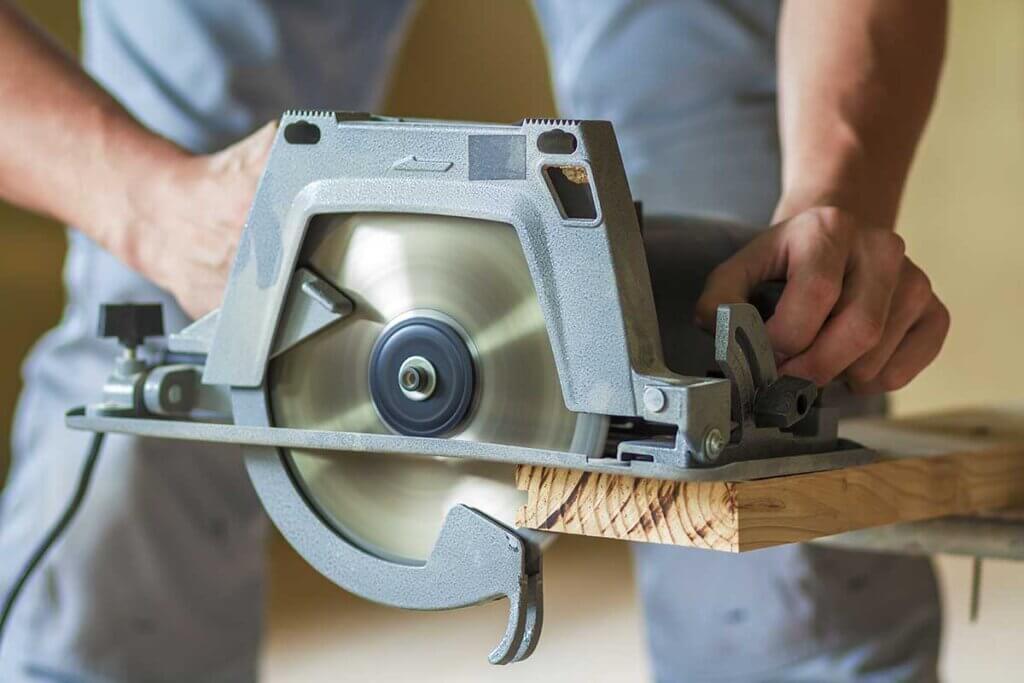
962	218
30	260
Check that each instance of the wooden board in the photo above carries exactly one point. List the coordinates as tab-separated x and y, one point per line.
958	463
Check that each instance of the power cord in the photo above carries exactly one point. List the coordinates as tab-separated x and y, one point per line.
54	534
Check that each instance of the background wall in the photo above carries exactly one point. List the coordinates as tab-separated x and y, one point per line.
961	218
31	255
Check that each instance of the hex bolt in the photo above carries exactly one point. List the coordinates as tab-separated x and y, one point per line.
714	444
654	399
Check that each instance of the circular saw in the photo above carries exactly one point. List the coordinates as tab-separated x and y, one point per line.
417	308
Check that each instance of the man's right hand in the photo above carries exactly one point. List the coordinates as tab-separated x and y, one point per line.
71	151
185	222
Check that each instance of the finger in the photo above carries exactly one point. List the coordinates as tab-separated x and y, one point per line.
918	349
913	296
816	259
732	281
857	326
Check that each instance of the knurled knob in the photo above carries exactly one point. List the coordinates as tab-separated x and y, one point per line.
131	323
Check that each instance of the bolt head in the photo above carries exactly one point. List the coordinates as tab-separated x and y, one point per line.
714	443
654	399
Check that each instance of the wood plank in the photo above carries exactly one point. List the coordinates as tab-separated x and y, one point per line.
951	464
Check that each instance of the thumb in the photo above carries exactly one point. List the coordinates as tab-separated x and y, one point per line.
734	279
248	155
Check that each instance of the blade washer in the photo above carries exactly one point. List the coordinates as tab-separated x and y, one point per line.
448	358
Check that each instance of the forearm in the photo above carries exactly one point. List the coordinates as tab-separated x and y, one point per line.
857	79
68	149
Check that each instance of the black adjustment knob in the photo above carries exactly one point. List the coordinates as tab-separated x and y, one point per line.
784	402
131	323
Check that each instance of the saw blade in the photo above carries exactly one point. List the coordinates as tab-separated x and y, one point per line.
472	275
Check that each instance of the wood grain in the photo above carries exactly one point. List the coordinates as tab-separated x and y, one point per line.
699	514
954	464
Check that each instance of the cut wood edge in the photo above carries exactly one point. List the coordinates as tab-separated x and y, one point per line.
695	514
971	477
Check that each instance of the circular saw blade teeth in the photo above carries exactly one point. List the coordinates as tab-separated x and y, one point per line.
472	273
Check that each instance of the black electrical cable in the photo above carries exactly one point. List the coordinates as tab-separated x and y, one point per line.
54	534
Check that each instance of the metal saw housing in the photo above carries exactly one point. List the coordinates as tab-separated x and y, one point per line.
561	186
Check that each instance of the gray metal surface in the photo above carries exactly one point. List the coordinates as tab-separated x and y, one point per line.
334	444
601	333
475	558
591	275
452	577
745	356
197	337
579	234
312	304
171	390
970	536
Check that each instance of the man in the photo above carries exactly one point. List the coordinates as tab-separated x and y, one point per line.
161	578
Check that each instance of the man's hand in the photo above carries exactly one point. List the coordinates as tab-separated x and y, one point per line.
856	83
72	152
185	222
854	305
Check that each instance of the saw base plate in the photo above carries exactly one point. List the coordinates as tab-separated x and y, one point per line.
332	444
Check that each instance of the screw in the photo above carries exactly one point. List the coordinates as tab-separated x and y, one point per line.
174	394
654	399
714	444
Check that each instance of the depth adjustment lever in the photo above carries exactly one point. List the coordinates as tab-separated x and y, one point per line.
760	398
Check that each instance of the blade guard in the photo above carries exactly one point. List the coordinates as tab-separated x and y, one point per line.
474	560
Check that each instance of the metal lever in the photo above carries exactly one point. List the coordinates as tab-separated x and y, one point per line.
760	398
784	402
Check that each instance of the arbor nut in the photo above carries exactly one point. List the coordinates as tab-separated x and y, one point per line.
417	378
784	402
